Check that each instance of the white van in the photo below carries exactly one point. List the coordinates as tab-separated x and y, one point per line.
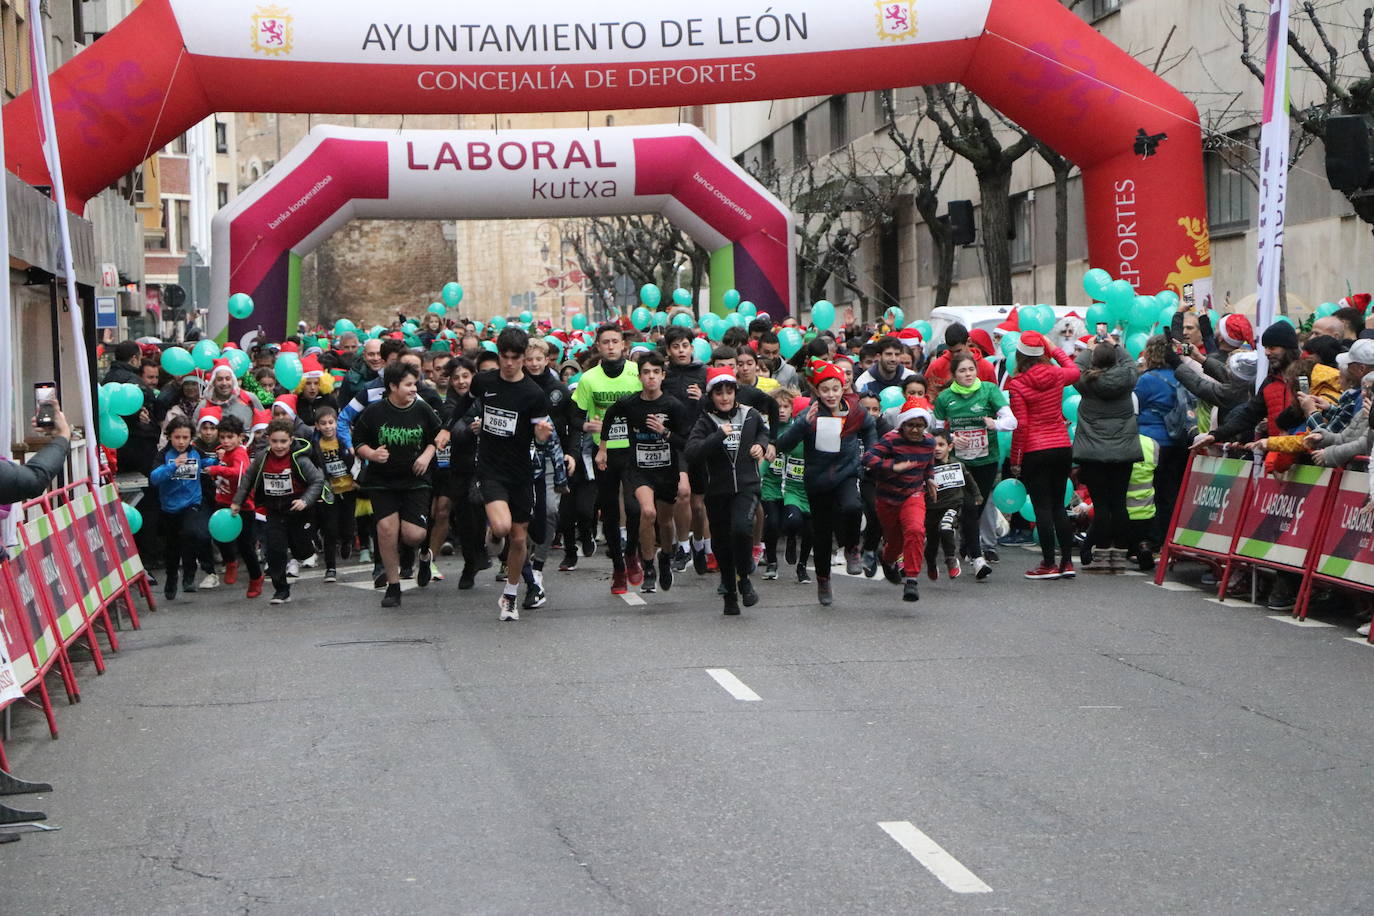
1068	325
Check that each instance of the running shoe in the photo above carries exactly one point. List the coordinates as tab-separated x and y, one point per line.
506	604
170	592
648	580
1066	571
364	557
1043	571
467	579
955	570
254	588
331	575
681	557
188	584
293	569
569	561
747	593
588	545
911	591
446	549
803	576
379	580
407	572
990	554
770	572
711	563
424	569
231	573
434	574
534	597
870	560
210	581
892	573
310	561
502	574
665	570
634	569
1362	630
981	568
281	596
618	584
852	563
823	592
731	604
699	561
932	571
392	598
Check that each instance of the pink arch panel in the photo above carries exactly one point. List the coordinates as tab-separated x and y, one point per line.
172	62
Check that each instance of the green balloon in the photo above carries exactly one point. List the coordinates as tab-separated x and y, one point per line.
701	350
1098	314
240	305
526	317
713	325
822	315
1095	282
1008	345
641	318
225	526
732	299
1327	309
789	342
498	323
895	317
924	327
1071	408
114	432
683	320
735	320
1167	298
1135	343
1009	496
1027	511
650	295
891	397
682	297
343	326
177	361
579	321
1144	313
489	345
239	362
128	399
477	328
288	370
748	310
661	320
1033	318
1166	316
134	518
452	294
438	308
204	354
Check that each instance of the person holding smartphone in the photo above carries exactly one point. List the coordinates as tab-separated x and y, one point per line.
25	480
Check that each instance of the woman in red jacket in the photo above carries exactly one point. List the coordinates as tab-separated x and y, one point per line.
1041	452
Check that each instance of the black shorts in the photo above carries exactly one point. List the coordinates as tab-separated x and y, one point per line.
413	505
439	479
517	494
696	477
663	481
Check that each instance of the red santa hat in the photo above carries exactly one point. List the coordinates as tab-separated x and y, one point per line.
221	365
1011	324
720	375
917	409
820	370
208	414
289	347
261	419
1086	342
286	402
1357	301
1235	329
311	367
911	337
1032	343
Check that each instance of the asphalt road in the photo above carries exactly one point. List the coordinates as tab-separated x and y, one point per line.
1096	746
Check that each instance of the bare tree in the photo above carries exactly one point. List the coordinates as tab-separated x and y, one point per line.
926	164
1062	169
646	249
971	135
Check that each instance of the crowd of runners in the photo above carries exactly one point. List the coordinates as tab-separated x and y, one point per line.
867	448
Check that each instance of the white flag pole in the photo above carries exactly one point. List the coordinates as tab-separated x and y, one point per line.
1273	171
54	160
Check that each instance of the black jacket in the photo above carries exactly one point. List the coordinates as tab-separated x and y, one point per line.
19	482
706	447
566	425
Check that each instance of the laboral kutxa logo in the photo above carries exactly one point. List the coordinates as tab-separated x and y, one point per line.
896	19
273	33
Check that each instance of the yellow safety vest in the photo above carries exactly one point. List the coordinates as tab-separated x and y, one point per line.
1140	492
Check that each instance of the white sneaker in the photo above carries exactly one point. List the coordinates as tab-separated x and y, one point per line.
210	581
509	611
1363	631
310	561
293	569
981	568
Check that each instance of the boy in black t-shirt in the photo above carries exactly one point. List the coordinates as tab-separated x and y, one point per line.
514	413
396	437
657	425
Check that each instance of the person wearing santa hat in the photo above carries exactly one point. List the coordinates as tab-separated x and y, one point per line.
899	464
285	408
729	439
316	391
836	431
1041	452
223	391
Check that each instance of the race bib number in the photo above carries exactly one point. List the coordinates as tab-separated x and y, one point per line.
796	470
949	475
777	465
498	422
732	441
618	430
335	468
188	470
970	443
654	456
277	484
443	456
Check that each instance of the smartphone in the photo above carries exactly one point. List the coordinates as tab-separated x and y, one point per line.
1304	384
1102	331
45	397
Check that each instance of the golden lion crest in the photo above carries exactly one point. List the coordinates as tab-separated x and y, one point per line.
273	31
896	19
1189	270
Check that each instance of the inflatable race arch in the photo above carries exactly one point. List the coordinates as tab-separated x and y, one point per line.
338	173
172	62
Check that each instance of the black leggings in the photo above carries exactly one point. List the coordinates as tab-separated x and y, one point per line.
797	524
985	475
1046	475
772	527
286	532
577	512
873	526
181	544
1173	462
732	534
942	527
611	494
337	525
1107	482
835	515
467	519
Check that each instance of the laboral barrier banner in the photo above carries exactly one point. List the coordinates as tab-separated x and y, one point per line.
1347	544
12	646
1284	518
1212	505
130	560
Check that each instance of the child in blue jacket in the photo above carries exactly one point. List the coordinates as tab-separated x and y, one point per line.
178	481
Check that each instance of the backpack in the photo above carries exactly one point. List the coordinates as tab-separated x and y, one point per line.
1181	420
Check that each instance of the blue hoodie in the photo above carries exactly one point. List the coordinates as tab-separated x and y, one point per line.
178	487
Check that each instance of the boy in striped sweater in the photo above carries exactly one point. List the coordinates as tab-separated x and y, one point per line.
899	464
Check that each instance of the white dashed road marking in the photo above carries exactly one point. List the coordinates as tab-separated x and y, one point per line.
733	685
949	870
